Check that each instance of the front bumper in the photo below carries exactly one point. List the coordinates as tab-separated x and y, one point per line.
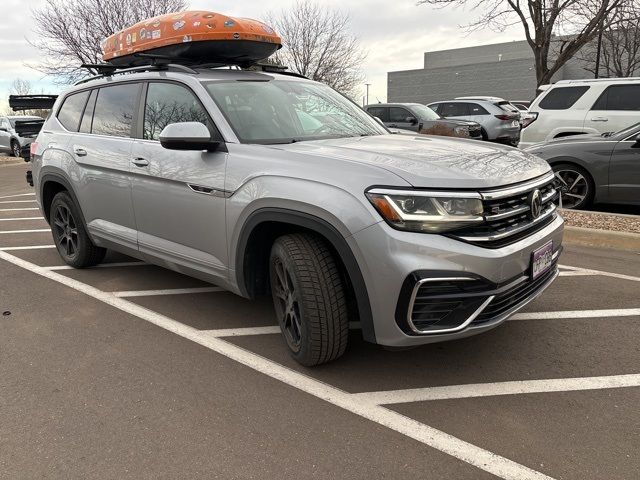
392	262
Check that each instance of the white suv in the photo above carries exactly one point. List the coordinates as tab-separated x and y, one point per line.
573	107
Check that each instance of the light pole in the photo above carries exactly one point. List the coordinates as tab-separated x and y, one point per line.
368	85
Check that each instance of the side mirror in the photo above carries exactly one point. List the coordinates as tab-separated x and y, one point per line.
188	136
411	120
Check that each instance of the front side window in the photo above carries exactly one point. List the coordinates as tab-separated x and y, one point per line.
425	113
619	97
114	110
170	103
71	110
562	98
397	114
286	111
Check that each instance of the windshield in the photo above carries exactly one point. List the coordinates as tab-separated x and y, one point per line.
270	112
425	113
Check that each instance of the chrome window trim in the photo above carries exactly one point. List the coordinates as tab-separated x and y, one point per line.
510	191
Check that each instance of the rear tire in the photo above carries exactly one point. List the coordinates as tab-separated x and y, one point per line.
309	298
576	186
15	149
70	235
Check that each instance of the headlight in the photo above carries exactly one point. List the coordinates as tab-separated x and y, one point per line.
430	212
461	130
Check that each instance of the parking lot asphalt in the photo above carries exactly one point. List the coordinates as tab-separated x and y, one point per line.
128	370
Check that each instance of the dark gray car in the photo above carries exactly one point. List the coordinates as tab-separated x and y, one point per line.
417	117
595	168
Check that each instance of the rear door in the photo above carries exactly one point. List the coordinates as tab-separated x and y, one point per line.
178	196
616	109
101	148
624	171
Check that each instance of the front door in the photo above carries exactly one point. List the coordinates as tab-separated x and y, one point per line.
624	172
398	118
178	196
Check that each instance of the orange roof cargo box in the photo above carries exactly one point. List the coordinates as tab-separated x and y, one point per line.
194	38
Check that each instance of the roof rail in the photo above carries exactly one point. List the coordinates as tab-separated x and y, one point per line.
598	80
110	70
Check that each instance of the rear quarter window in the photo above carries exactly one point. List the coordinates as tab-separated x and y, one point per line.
71	110
562	98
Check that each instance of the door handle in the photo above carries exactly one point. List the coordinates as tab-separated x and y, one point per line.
140	162
599	119
79	151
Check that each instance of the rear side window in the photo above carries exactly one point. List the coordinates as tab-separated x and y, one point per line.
71	110
454	109
170	103
562	98
475	109
114	110
380	112
619	97
397	114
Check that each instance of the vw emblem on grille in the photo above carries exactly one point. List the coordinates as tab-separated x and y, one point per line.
535	203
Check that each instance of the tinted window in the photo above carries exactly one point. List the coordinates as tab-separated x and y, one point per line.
562	98
619	97
475	109
87	117
435	107
380	112
170	103
397	114
453	109
71	110
114	110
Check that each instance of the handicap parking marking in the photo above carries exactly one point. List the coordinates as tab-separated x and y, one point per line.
432	437
448	392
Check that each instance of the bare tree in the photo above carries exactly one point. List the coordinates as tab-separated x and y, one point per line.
317	44
20	87
620	50
70	31
554	29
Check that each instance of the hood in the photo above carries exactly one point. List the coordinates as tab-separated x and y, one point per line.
431	161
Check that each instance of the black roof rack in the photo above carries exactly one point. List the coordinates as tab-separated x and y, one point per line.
160	63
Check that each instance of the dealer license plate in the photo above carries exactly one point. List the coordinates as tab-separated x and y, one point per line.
541	260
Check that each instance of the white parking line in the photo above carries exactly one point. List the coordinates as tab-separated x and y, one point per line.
38	230
29	247
576	273
247	331
102	265
603	273
19	195
17	209
17	201
614	312
21	219
170	291
499	388
437	439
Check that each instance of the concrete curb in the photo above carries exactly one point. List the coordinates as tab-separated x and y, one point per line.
589	237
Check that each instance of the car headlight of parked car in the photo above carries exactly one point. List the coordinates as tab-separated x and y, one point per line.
461	130
430	212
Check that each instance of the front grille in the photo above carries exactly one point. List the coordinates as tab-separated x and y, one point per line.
507	214
505	301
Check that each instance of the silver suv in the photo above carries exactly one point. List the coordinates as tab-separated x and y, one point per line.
268	183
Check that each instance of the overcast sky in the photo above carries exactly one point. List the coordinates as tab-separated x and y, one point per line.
394	33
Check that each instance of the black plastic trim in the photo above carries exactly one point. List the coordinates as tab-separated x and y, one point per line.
329	232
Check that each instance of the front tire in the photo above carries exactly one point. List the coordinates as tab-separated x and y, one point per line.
576	186
309	298
70	235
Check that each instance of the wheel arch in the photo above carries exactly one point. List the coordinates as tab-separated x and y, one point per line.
254	243
52	183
